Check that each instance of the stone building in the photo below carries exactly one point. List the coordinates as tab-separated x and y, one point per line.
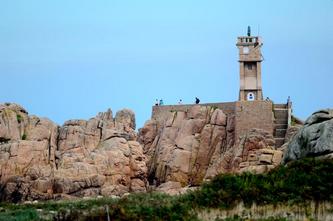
250	59
250	111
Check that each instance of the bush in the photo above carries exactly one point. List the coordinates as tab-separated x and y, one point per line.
306	180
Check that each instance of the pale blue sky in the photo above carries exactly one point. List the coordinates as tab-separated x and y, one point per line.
70	59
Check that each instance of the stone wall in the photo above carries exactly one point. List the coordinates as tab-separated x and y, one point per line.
248	114
253	114
161	113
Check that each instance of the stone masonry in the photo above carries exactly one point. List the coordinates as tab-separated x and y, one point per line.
246	114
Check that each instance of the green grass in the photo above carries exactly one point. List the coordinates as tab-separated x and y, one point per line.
301	182
306	180
19	215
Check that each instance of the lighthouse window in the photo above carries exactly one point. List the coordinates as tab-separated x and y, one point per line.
249	66
250	96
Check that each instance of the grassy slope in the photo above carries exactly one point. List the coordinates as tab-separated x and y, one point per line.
302	181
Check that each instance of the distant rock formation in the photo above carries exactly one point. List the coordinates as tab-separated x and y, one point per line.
40	160
315	138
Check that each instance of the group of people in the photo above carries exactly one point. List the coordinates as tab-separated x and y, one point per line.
159	103
197	101
180	102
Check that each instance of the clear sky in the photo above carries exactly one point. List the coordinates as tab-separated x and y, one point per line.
69	59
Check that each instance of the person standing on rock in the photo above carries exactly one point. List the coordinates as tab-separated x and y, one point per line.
197	100
156	103
161	102
180	102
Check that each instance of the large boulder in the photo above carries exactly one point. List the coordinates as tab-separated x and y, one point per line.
315	138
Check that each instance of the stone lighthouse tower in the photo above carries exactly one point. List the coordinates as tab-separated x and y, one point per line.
250	59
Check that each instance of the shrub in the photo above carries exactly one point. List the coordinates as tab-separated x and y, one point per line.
301	181
19	118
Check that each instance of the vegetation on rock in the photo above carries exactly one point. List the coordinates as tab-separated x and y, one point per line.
19	118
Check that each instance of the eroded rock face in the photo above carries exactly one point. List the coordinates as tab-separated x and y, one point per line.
183	147
315	138
39	160
196	145
255	152
26	153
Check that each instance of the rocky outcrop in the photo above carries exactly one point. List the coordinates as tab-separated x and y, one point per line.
173	188
104	150
181	148
39	160
315	138
105	156
291	132
255	152
26	152
197	144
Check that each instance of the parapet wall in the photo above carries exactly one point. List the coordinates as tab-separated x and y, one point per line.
161	113
248	114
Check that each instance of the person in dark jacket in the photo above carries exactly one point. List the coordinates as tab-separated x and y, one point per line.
197	100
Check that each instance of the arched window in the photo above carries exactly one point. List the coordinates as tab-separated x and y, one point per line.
250	96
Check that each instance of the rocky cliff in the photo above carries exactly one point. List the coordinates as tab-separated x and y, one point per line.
40	160
105	156
195	145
